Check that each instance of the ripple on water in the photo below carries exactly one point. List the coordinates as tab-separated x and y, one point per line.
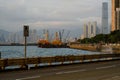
34	51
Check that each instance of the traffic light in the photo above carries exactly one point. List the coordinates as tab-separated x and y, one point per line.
26	30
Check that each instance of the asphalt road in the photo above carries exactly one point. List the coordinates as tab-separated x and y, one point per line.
90	71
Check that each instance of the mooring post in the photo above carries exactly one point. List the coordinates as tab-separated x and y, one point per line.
0	55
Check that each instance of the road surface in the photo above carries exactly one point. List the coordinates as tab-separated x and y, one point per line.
89	71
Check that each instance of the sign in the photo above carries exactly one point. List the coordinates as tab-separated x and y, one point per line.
26	30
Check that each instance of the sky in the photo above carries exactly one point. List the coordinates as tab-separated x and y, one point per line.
49	14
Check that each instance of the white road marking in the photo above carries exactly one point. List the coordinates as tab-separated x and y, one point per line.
71	67
116	77
28	78
105	67
71	71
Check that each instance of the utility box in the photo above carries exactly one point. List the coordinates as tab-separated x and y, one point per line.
26	30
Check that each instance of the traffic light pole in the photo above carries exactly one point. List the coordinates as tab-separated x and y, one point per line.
26	34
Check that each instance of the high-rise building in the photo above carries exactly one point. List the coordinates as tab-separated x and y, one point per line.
95	28
85	31
115	14
105	18
90	29
117	18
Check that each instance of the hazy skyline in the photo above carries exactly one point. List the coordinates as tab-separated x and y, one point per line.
43	14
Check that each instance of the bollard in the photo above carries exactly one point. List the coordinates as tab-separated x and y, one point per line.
0	55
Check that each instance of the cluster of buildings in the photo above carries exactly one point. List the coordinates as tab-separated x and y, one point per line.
33	36
19	38
91	29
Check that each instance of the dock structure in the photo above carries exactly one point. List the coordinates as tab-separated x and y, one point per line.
89	47
24	62
113	48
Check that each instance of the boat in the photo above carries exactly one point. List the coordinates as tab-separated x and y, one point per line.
56	43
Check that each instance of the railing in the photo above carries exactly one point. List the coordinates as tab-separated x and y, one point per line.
23	62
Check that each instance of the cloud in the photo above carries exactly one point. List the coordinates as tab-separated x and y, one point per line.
67	14
90	19
56	24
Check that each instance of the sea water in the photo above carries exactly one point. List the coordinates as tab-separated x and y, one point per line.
34	51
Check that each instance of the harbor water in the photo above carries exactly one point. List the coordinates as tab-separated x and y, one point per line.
34	51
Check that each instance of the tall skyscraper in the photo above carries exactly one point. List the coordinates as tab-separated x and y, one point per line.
115	14
105	18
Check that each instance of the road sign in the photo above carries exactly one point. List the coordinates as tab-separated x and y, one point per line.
26	30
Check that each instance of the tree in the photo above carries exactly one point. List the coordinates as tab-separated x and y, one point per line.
113	37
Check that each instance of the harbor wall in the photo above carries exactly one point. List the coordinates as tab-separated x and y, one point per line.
88	47
108	48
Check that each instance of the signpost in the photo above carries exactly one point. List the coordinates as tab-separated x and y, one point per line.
26	34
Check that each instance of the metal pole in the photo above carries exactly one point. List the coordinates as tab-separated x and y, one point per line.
25	46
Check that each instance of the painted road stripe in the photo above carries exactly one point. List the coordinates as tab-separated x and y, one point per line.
71	71
106	67
28	78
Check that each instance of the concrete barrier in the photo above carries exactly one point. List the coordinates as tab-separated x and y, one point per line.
88	57
47	59
33	60
81	57
3	62
59	59
12	62
38	60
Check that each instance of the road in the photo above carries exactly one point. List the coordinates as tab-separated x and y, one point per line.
89	71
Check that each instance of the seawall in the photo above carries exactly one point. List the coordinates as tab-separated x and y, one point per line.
109	48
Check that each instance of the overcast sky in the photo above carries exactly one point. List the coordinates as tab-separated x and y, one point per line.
43	14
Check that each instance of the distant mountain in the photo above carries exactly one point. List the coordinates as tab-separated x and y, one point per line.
35	35
3	35
4	32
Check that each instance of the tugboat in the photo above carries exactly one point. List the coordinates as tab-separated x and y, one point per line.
56	43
